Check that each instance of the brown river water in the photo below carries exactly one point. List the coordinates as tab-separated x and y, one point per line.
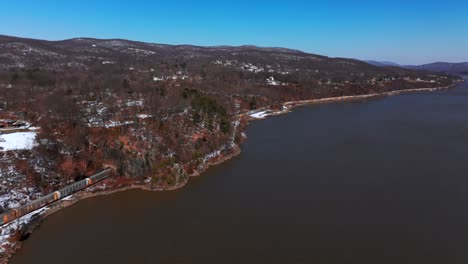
376	181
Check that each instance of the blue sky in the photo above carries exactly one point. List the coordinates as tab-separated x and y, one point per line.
409	32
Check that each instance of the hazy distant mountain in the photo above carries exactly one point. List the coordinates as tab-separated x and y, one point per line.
383	63
446	67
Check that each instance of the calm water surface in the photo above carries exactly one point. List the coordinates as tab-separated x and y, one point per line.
379	181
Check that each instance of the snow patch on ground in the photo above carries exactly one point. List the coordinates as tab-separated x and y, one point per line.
260	115
13	199
141	51
14	191
8	231
213	154
117	123
68	198
18	141
178	76
134	103
143	116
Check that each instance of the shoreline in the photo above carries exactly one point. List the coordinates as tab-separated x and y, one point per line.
233	152
264	112
365	96
143	186
44	212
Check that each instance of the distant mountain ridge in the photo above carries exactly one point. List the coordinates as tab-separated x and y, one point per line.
444	67
382	63
83	52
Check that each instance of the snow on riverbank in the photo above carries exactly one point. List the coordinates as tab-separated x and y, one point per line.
260	114
8	231
17	141
263	112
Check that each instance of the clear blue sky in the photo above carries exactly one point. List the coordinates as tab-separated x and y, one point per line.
409	32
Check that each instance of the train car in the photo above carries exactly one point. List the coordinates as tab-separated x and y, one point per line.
13	214
7	217
99	176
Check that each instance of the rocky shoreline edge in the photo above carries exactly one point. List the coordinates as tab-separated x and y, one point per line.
37	219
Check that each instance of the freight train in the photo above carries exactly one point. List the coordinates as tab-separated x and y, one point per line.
16	213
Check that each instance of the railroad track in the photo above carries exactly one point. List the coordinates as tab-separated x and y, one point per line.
16	213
